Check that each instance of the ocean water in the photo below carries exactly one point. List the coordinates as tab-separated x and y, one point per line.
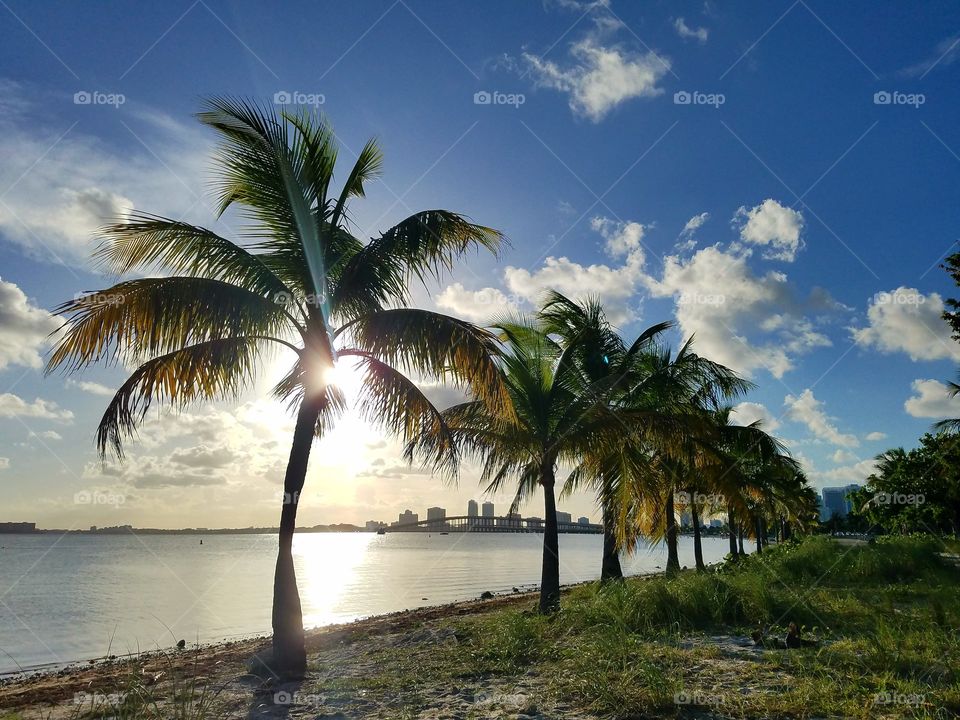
73	597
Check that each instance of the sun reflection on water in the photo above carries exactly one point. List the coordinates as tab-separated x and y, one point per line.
327	566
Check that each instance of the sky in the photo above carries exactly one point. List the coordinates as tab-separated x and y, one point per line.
779	178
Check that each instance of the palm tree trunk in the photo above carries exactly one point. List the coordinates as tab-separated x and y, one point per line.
759	526
289	652
732	531
673	556
740	539
550	573
610	568
697	547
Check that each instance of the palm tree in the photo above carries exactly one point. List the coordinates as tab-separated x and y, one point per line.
296	279
551	418
609	367
951	424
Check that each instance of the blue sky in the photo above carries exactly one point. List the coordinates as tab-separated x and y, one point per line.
780	178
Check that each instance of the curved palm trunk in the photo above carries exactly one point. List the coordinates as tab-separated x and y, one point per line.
732	532
697	546
550	573
289	652
673	556
740	540
610	569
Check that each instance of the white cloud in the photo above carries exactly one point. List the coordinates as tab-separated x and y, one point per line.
480	306
932	400
844	456
774	227
47	435
90	387
615	286
12	406
65	184
740	319
23	328
685	31
4	463
808	410
875	436
746	413
600	77
944	54
906	320
622	238
686	241
856	473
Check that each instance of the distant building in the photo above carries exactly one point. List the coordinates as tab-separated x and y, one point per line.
17	527
374	525
473	510
686	519
715	523
436	513
836	501
407	517
583	520
487	509
564	517
534	523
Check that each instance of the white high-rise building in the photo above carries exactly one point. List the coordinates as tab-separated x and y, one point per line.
472	509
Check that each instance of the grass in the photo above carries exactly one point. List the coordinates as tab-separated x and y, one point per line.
885	617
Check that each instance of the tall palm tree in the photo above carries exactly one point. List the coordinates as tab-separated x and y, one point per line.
549	419
296	278
951	424
610	368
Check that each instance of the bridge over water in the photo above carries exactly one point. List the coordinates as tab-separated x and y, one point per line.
467	523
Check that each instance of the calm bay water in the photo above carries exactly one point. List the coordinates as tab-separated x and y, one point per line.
70	598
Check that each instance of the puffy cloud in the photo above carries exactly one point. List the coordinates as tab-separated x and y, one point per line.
856	473
12	406
90	387
4	463
772	226
746	413
932	399
844	456
47	435
723	303
480	306
806	409
623	238
600	77
615	286
875	436
906	320
686	32
23	328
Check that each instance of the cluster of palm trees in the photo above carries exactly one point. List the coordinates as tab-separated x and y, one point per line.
555	393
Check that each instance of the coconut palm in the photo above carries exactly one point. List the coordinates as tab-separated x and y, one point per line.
610	368
295	279
550	419
951	424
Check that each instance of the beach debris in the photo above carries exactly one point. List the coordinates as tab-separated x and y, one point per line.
181	644
486	595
